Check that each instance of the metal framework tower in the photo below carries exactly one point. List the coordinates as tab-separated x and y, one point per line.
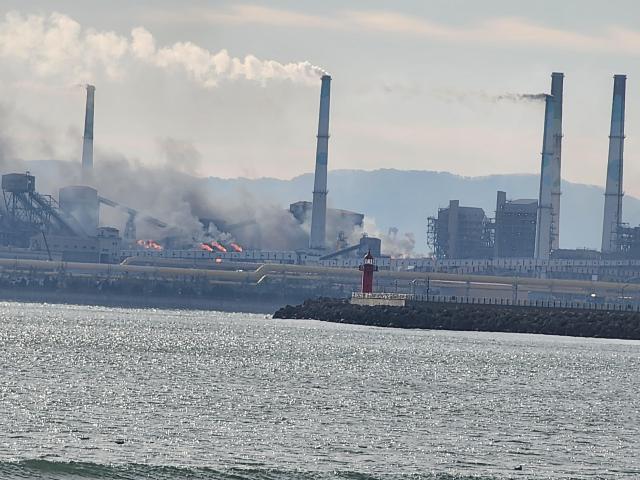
28	212
613	192
544	224
317	239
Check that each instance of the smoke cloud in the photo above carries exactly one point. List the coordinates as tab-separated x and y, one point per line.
186	203
393	243
169	192
58	46
180	155
465	97
521	97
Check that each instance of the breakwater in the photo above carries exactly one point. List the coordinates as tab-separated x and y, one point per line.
473	317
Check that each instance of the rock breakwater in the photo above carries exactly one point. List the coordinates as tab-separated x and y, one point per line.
473	317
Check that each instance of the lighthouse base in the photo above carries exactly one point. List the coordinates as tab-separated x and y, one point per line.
374	299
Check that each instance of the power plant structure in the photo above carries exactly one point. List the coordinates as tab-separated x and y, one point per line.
520	240
612	218
526	232
460	232
27	213
340	224
70	228
87	138
557	84
318	235
545	228
467	233
515	227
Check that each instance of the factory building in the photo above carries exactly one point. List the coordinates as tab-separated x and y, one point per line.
460	232
104	247
515	227
466	232
66	230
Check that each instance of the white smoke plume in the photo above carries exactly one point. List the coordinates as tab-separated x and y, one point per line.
393	244
58	46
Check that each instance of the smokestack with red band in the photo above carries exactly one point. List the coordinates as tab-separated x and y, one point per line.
545	220
613	191
87	143
317	239
557	80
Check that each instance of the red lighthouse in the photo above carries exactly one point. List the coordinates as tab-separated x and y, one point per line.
367	268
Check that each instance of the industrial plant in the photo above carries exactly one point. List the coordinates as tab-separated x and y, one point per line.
69	228
523	238
520	239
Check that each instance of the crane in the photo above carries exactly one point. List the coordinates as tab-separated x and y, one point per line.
130	227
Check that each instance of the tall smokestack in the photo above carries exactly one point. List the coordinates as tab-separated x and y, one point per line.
557	80
545	217
317	239
613	192
87	139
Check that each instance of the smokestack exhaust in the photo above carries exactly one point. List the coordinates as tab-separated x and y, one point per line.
545	218
87	139
317	238
613	191
557	80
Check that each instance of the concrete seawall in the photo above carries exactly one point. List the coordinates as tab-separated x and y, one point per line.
473	317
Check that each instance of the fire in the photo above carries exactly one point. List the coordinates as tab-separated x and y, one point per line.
149	244
206	247
217	246
214	246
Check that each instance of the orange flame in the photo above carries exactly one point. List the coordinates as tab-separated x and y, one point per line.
217	246
236	247
149	244
206	247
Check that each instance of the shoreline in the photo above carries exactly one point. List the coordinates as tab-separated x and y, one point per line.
243	304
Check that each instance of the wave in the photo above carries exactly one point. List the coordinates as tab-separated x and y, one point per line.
60	470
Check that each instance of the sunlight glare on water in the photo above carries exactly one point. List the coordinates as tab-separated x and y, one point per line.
125	393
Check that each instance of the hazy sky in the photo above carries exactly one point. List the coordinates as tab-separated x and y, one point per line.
414	82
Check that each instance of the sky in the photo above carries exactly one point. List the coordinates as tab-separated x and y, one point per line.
231	88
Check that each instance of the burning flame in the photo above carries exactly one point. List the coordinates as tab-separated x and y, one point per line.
149	245
214	246
217	246
204	246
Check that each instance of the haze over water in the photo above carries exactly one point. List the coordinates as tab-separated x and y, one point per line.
116	393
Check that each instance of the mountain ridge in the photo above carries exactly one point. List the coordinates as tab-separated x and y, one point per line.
406	198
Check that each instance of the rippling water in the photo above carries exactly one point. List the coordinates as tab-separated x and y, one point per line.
116	393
